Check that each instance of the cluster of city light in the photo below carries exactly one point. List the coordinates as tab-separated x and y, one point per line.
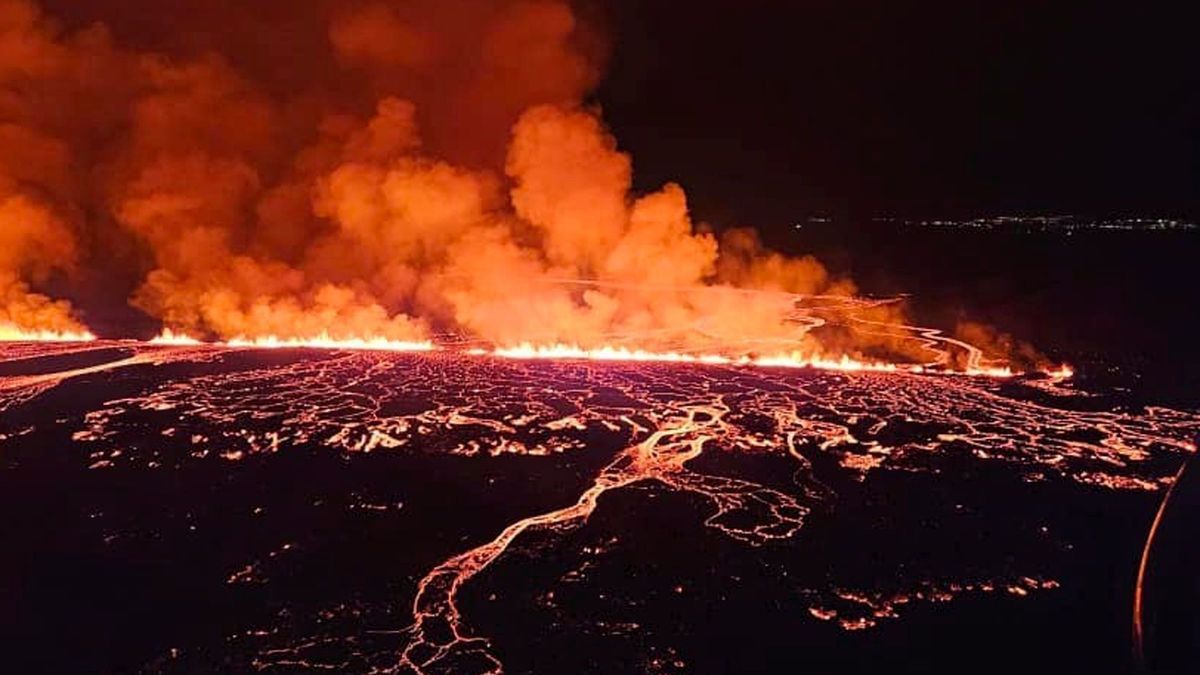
1063	223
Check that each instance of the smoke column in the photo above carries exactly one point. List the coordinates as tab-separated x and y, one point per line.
356	169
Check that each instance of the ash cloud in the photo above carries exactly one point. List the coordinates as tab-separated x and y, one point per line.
367	168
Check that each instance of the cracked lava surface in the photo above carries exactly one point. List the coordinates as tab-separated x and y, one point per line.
385	512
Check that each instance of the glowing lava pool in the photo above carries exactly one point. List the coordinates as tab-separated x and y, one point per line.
200	508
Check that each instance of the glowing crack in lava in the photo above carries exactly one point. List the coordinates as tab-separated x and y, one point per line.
686	428
438	637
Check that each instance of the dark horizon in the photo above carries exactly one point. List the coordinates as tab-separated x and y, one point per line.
769	113
766	112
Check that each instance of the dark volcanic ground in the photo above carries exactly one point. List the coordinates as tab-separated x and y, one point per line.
218	510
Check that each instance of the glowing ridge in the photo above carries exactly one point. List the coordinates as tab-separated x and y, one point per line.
326	341
171	338
12	333
981	371
528	350
609	353
1063	372
783	360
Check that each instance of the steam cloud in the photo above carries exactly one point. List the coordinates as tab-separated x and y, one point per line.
358	168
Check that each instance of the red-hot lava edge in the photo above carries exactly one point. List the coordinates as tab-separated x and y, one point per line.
976	364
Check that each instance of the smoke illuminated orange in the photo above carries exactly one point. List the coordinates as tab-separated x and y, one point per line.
499	209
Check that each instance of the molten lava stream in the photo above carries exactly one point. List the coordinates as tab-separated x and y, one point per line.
439	641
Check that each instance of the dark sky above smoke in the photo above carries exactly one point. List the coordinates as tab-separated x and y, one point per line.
910	107
768	110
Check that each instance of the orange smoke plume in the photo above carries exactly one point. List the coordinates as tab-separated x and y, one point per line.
388	172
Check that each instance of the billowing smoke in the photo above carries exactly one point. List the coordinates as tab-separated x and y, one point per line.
383	168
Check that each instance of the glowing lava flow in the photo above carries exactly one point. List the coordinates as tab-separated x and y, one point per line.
16	390
438	642
1063	372
843	363
794	348
326	341
793	360
564	352
170	338
737	441
11	333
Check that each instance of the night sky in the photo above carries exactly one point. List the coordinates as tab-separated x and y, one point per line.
769	111
772	111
